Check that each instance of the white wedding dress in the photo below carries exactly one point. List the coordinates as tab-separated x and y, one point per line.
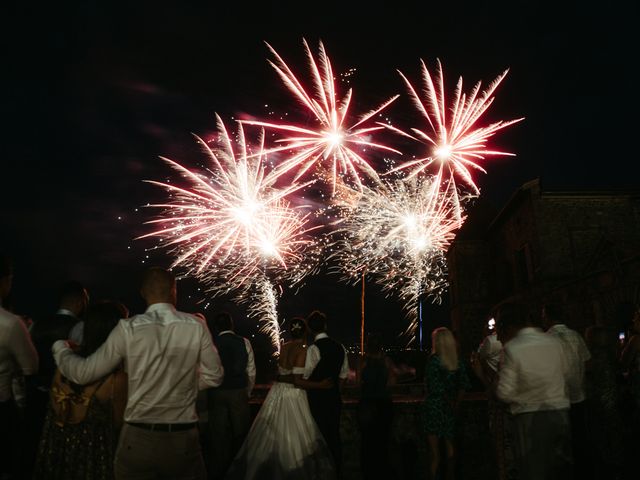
284	441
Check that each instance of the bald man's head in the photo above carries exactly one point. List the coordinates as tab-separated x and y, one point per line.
158	286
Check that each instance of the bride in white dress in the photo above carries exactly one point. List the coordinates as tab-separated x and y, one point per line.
284	441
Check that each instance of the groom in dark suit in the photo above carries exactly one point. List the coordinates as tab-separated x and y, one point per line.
326	358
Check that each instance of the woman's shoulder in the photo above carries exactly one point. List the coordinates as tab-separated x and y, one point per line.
434	364
434	360
289	352
298	347
114	384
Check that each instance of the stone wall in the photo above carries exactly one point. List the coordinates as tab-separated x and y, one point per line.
579	248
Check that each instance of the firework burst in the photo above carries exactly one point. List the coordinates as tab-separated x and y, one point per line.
234	229
455	142
397	235
333	142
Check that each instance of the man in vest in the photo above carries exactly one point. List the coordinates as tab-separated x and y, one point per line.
326	358
229	403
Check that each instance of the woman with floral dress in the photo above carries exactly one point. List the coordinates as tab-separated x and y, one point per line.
446	379
83	422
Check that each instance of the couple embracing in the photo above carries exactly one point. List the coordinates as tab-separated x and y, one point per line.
296	433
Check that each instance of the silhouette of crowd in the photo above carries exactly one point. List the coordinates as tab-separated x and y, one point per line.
561	405
91	392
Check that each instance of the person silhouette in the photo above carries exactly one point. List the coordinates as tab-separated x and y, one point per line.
228	404
169	356
284	441
326	358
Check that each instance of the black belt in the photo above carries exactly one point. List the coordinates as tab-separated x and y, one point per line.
164	427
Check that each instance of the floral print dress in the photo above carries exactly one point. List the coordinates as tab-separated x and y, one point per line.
443	387
80	432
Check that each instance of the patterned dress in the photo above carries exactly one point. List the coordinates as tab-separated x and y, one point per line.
443	387
80	433
603	413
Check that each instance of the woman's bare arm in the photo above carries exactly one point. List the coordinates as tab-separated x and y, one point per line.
299	361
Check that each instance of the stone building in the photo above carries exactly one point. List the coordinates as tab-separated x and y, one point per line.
579	247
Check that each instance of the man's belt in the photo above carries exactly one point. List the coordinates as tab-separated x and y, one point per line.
164	427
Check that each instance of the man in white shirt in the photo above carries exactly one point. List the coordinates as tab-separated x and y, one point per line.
229	415
168	355
577	354
532	381
18	357
326	358
490	350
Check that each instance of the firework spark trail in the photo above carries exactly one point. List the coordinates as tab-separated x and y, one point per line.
455	142
234	227
331	139
265	307
398	235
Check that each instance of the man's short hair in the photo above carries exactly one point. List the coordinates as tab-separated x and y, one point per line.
554	312
71	291
317	321
6	267
223	321
510	314
158	281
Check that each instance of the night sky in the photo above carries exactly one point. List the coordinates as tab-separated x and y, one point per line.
97	90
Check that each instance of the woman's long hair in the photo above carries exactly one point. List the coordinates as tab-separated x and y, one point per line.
444	346
101	319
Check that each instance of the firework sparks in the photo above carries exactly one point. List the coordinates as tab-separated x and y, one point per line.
332	141
233	228
398	235
455	142
265	307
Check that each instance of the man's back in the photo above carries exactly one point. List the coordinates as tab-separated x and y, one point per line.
168	356
234	357
532	376
577	353
326	358
331	359
330	365
490	350
163	354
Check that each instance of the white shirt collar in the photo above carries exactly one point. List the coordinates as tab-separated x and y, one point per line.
529	330
557	326
160	306
64	311
320	336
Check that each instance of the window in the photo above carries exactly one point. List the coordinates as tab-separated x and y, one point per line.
524	271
